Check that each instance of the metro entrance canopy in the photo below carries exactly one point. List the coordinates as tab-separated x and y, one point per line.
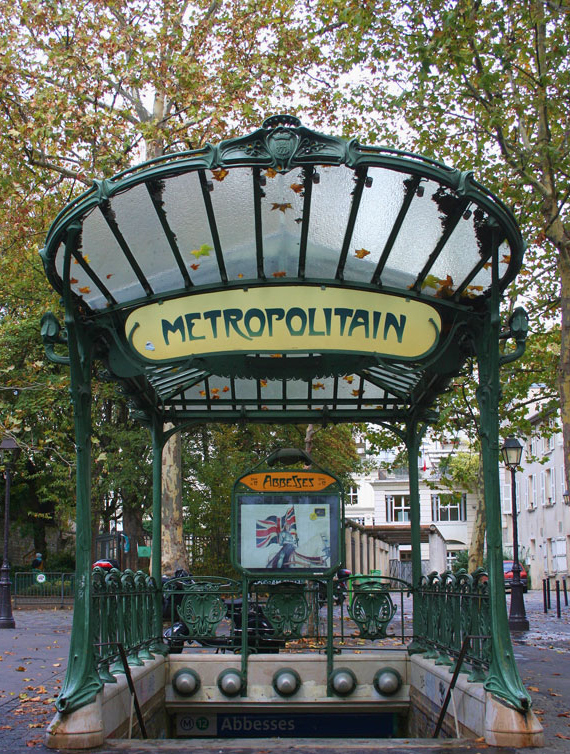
284	276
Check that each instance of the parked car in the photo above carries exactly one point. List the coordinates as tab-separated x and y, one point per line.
508	571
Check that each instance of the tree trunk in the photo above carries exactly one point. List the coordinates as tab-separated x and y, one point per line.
477	546
133	528
174	553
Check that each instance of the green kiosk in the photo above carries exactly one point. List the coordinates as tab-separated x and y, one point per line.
284	276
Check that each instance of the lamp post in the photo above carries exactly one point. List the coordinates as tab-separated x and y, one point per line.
8	453
512	453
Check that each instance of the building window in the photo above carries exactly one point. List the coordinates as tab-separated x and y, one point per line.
450	558
397	508
352	495
449	507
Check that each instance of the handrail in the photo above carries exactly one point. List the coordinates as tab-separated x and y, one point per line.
456	672
132	689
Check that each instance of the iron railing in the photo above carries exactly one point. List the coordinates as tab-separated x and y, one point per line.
123	614
36	588
451	608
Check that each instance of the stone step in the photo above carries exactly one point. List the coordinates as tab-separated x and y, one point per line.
300	746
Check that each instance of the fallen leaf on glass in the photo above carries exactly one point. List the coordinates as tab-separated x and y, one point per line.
361	253
281	206
297	187
203	251
219	175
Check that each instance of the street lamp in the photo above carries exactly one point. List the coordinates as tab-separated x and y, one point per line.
8	453
512	453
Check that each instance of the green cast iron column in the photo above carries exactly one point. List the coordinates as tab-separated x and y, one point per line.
503	678
82	681
156	563
413	440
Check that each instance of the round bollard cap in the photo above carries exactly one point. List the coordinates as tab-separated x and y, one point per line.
230	682
286	681
186	682
387	681
343	681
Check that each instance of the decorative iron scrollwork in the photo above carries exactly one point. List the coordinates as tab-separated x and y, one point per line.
202	609
287	610
372	610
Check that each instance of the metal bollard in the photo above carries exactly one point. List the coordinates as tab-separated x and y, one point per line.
548	591
558	610
544	598
565	592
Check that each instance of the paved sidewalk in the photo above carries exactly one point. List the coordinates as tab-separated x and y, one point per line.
33	657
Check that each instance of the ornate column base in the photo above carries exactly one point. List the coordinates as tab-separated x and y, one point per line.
81	729
505	726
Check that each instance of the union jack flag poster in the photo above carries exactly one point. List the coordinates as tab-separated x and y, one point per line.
268	531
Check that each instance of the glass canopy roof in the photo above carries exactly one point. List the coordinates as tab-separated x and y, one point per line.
317	222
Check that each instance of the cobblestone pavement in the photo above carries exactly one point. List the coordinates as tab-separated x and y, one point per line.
33	657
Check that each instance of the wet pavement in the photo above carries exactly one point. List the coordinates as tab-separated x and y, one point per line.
33	657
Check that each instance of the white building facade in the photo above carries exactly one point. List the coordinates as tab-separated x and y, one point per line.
543	516
381	498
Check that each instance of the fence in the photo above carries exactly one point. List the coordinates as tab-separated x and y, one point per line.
123	613
451	608
37	589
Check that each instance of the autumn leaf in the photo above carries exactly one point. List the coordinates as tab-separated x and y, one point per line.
487	265
21	669
219	175
275	355
533	688
225	389
215	390
361	253
202	392
283	207
194	266
356	393
318	386
73	281
349	378
280	274
297	187
270	173
85	289
109	276
240	274
263	383
506	258
203	251
445	289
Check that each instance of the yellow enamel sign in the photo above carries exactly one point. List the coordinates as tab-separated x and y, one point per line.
281	481
277	319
